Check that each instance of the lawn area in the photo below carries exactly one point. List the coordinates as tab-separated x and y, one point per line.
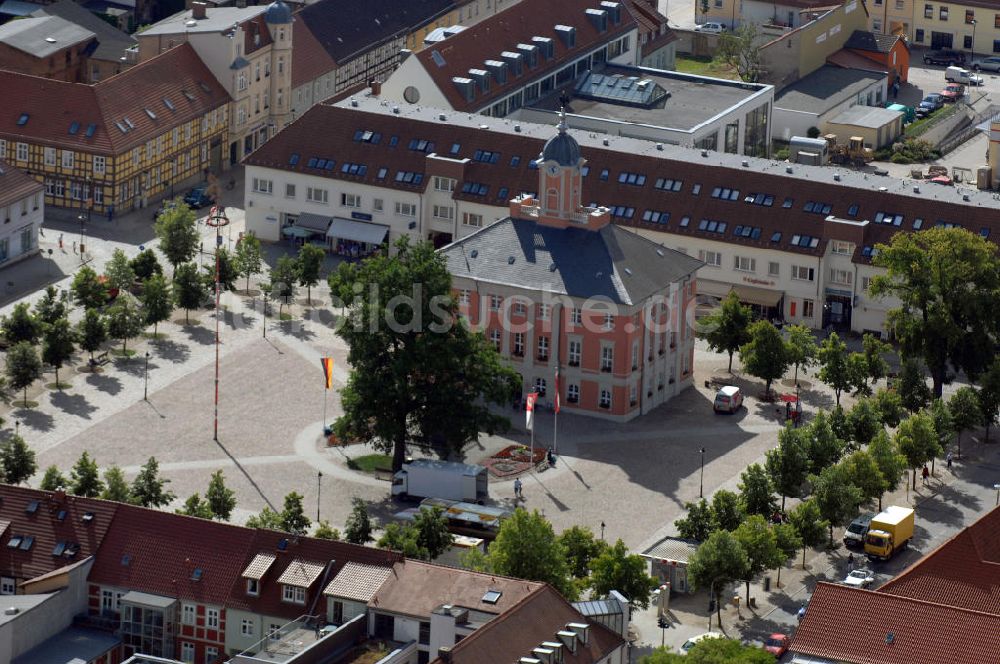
370	463
705	67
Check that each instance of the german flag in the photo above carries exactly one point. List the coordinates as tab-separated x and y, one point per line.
328	371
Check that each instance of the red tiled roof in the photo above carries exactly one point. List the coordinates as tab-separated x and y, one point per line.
871	627
47	529
327	132
534	619
157	552
852	60
487	39
15	184
309	59
963	572
53	106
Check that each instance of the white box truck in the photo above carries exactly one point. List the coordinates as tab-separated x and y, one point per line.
431	478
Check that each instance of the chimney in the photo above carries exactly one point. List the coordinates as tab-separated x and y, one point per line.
444	654
198	10
59	496
376	88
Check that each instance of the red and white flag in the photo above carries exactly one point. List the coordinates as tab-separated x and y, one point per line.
557	391
529	410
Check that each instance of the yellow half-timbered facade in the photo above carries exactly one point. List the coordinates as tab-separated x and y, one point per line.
119	144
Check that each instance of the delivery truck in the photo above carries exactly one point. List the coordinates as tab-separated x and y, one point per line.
889	532
431	478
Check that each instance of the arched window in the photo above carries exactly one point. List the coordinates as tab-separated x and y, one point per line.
552	198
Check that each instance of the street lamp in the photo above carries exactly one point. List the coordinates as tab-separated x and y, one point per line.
602	530
974	22
319	487
701	484
145	379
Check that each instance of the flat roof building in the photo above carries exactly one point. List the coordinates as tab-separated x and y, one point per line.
823	94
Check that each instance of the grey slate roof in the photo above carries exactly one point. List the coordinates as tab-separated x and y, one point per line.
112	42
864	40
672	548
612	263
32	35
825	88
217	19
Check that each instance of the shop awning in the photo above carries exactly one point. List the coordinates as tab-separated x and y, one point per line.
296	231
747	294
357	231
313	222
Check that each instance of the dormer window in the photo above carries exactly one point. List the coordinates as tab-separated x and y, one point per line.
253	587
293	594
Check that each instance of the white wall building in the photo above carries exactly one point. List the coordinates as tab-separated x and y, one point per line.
22	210
822	95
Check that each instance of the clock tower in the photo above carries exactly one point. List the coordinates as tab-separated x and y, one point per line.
560	183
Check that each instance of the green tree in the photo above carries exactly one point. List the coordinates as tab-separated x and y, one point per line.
823	447
157	301
86	479
52	306
756	491
325	531
727	512
119	272
358	529
249	260
740	49
17	460
178	233
268	519
726	329
787	464
864	420
189	288
944	426
761	546
221	499
802	349
912	386
704	8
88	291
765	355
917	441
402	538
809	524
789	543
616	569
125	320
92	331
58	345
712	651
195	506
718	562
53	479
527	548
965	413
582	546
115	486
698	524
835	369
145	265
890	462
433	536
148	488
228	272
865	474
310	261
293	516
989	396
23	367
945	282
874	352
21	325
836	497
439	388
284	278
890	407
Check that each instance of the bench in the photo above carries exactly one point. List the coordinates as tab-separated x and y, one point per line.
100	360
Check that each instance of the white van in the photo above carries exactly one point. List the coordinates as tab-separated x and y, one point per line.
962	75
728	399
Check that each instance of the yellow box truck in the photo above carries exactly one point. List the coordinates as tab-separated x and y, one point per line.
889	532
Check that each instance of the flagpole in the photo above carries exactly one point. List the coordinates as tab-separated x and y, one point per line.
555	428
325	390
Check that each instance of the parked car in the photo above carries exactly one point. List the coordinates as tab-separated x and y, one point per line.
198	197
728	399
859	578
991	63
777	644
929	104
694	640
945	56
711	27
962	75
855	533
164	206
952	92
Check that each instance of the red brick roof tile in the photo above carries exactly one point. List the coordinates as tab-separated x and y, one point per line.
309	59
15	184
53	107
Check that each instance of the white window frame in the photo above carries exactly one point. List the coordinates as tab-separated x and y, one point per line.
49	156
211	654
317	195
604	399
607	358
377	205
574	352
350	200
774	269
495	302
544	311
464	297
262	186
443	184
841	277
100	164
8	585
841	248
496	339
22	152
212	618
3	148
472	219
518	347
406	209
289	190
808	308
543	348
247	627
187	651
576	316
189	614
293	594
443	212
744	264
68	158
803	273
573	393
609	321
710	258
253	587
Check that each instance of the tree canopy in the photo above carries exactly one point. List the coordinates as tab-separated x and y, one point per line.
756	491
527	548
836	497
178	233
119	271
58	345
88	291
21	325
189	288
358	529
801	348
17	460
835	368
718	562
726	329
148	488
787	464
248	260
617	569
221	499
23	367
310	261
86	479
766	354
965	412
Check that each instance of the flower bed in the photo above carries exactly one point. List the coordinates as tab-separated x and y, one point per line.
521	453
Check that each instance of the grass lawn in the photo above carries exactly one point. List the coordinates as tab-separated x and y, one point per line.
370	463
703	66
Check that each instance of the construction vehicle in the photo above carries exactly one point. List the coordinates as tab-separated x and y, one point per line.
889	532
853	153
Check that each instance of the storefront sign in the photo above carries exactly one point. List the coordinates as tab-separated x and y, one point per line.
361	216
758	282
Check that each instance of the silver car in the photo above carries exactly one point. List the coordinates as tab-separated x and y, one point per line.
987	64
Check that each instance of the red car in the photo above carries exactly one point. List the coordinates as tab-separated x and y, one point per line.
952	92
777	645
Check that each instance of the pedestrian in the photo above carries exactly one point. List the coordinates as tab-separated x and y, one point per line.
925	473
517	488
74	246
60	242
850	561
948	460
895	88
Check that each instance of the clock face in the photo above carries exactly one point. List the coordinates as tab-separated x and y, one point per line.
553	169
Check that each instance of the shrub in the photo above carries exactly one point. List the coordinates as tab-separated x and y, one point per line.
782	154
900	158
